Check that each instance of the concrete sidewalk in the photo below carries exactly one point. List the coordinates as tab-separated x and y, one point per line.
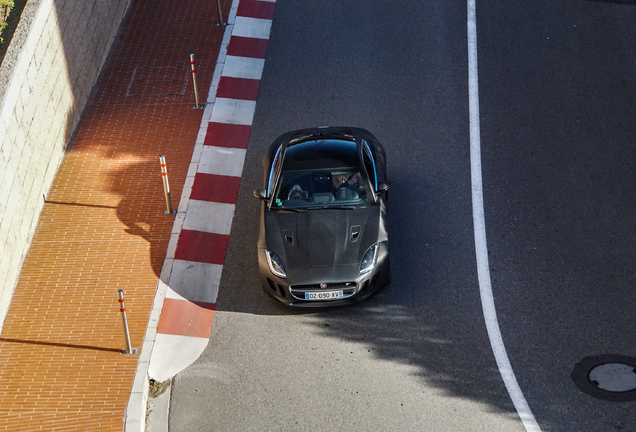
103	227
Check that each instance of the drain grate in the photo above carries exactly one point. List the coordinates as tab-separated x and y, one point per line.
610	377
158	81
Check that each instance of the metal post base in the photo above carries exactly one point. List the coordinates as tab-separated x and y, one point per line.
133	351
201	107
172	212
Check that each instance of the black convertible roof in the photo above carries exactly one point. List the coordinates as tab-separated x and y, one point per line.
321	153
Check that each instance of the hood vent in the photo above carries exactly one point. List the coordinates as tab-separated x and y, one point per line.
288	236
355	233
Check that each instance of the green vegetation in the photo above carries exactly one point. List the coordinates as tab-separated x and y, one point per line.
5	10
10	12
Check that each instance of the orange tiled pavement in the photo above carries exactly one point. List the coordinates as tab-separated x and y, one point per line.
103	227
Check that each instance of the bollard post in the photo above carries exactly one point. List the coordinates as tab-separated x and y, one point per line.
218	6
122	308
166	185
194	81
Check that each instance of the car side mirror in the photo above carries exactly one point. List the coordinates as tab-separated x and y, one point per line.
260	193
383	187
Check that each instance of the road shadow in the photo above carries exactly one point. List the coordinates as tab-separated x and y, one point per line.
621	2
429	318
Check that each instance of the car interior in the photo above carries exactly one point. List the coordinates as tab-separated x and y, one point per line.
304	188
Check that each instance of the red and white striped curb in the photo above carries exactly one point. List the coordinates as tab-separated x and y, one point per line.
181	319
210	195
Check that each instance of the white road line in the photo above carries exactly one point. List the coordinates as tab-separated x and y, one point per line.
168	347
194	281
243	67
481	246
257	28
222	161
209	217
233	111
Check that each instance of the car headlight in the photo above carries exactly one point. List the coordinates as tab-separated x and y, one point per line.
275	264
368	260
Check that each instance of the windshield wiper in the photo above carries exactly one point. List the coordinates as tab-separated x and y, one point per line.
297	210
339	207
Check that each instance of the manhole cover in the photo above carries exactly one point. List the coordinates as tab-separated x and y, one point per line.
158	81
614	377
609	377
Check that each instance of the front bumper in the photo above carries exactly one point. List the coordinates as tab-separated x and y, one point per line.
355	287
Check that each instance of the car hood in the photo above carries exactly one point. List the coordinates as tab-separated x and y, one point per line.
323	238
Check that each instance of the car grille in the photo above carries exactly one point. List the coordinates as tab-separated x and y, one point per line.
348	289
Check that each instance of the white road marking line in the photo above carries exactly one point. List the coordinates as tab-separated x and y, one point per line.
243	67
224	161
194	281
257	28
208	216
233	111
481	245
186	349
166	362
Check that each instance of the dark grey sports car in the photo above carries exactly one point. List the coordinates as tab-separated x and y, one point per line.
323	238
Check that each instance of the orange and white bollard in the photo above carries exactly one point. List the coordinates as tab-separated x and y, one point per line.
166	186
194	82
122	308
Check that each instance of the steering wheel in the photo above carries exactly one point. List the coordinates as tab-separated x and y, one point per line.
297	192
347	192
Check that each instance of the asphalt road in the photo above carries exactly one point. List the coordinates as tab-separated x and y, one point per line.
557	85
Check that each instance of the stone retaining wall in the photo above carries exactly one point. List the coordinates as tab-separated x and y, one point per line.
46	78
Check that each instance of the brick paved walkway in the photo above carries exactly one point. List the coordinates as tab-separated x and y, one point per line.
103	227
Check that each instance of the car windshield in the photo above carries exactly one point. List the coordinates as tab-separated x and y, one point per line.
307	189
321	173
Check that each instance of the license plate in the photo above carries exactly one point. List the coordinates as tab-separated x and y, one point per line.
324	295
